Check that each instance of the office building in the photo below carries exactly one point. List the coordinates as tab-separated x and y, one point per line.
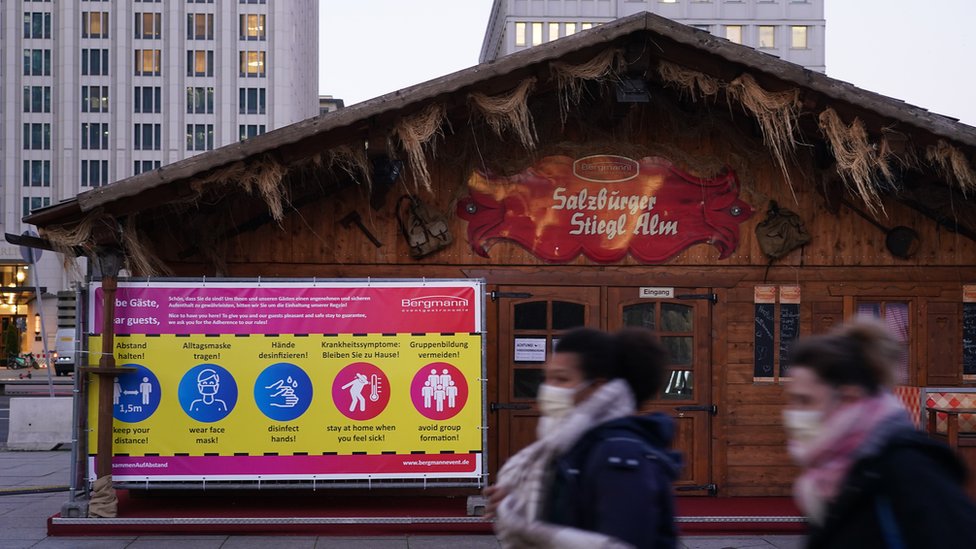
97	91
790	29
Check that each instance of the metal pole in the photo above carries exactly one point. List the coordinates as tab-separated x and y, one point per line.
40	311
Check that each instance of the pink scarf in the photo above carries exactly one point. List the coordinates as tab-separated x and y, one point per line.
854	431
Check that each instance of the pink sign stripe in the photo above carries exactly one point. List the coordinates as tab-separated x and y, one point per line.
254	466
289	310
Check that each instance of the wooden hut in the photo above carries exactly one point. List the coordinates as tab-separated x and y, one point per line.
800	201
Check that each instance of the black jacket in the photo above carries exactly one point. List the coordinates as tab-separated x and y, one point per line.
617	481
913	480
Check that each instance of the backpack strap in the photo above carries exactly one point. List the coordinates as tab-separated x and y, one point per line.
890	532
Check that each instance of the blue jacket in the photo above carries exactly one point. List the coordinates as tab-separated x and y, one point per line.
909	495
617	481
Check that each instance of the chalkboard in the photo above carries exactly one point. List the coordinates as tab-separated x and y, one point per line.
969	340
789	330
764	342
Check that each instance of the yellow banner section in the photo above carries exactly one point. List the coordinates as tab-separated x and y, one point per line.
226	395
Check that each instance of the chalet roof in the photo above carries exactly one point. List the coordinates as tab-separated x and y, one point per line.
686	46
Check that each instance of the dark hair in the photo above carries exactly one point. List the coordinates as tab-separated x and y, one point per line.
633	355
862	353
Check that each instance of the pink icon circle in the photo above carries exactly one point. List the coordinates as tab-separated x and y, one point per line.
439	391
361	391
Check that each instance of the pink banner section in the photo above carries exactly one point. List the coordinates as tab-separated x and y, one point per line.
334	466
142	309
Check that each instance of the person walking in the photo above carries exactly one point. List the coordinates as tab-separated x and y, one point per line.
869	478
598	475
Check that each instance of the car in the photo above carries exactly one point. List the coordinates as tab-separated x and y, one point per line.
64	352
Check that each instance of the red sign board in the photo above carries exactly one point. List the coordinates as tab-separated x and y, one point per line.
604	207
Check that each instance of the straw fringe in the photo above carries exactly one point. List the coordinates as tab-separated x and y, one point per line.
776	113
856	157
264	176
416	133
693	83
509	112
139	257
352	162
64	239
952	163
570	78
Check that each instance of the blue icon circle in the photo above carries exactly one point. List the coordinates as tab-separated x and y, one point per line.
283	391
135	395
207	393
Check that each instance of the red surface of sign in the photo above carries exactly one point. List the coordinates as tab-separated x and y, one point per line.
604	207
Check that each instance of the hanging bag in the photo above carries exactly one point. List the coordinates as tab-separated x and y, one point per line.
781	232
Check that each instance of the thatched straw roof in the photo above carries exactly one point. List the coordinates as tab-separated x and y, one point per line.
771	90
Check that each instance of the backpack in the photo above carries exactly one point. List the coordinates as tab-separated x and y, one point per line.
781	232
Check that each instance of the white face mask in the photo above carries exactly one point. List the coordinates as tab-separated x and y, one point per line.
557	402
802	426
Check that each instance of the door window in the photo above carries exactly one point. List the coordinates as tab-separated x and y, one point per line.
540	320
676	324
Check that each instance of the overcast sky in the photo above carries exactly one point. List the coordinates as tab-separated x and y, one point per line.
919	51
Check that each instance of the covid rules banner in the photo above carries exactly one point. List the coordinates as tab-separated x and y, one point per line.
290	380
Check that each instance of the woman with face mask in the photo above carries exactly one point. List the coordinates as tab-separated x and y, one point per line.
869	478
598	475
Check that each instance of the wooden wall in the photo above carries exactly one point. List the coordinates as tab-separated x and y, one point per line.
845	261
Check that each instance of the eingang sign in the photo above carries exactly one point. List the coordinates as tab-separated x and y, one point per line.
289	380
604	207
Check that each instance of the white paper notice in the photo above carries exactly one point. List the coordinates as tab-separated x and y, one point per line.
530	349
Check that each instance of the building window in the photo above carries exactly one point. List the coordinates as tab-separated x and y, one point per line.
668	1
553	31
570	29
536	34
94	99
37	25
94	62
199	26
140	166
586	26
199	137
94	173
37	173
896	317
148	62
32	203
520	34
798	37
37	62
252	27
733	33
147	137
37	98
199	1
250	130
252	101
94	24
37	136
767	36
706	28
199	100
199	62
94	135
252	64
148	99
149	25
254	2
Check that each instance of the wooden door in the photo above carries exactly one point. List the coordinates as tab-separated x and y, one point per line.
683	324
530	318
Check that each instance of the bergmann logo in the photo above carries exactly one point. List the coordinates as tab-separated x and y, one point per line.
434	303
